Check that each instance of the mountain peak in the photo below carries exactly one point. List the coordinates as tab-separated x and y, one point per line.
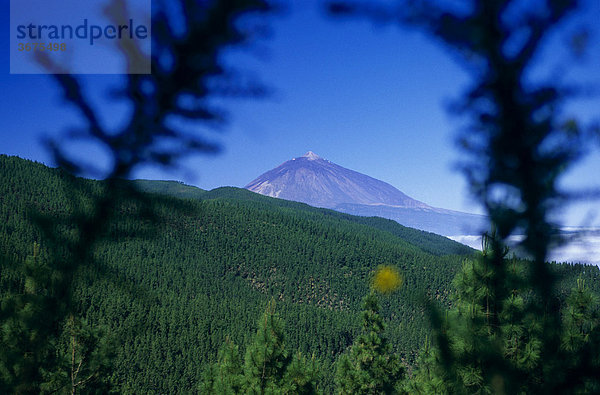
322	183
313	180
311	156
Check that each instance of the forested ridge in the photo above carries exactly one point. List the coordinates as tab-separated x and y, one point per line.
426	241
171	291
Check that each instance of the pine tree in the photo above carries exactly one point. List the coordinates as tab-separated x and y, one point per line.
27	321
84	360
429	378
581	338
370	366
225	377
301	376
267	367
580	317
266	358
41	354
486	331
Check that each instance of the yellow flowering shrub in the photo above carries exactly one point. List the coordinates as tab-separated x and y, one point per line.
387	279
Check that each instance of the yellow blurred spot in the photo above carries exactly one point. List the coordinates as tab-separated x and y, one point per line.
387	279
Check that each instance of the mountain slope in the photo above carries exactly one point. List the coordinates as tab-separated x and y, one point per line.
426	241
316	181
171	291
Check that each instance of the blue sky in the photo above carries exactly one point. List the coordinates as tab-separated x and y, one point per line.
373	99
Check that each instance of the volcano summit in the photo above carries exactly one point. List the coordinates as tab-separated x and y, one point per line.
318	182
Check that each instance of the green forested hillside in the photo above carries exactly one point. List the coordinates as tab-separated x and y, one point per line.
170	297
426	241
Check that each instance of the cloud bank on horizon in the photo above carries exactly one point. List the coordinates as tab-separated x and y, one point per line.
584	248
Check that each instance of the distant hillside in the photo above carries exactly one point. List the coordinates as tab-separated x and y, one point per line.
170	188
320	183
426	241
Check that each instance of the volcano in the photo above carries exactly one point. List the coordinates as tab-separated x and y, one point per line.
318	182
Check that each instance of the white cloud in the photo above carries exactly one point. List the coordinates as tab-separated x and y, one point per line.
584	249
